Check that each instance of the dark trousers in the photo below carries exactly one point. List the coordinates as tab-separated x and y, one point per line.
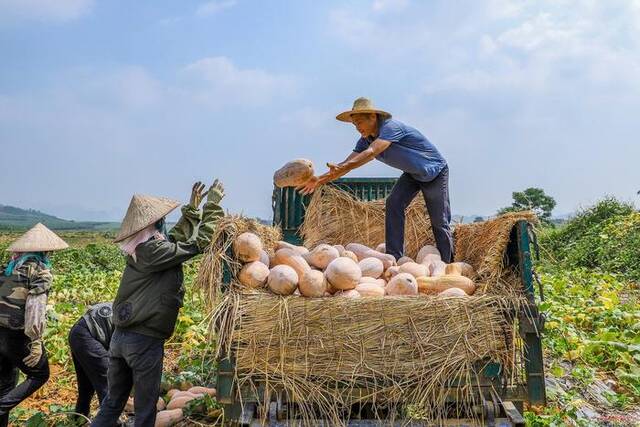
91	361
14	346
135	361
436	197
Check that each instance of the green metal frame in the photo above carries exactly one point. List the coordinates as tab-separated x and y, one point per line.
288	212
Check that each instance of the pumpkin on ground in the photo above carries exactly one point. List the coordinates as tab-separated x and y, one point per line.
168	418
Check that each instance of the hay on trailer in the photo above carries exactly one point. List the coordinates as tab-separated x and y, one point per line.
219	251
336	217
394	352
328	353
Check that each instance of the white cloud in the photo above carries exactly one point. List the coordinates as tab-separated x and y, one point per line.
221	83
12	11
214	6
389	5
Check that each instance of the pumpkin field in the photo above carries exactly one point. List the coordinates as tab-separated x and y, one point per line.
589	269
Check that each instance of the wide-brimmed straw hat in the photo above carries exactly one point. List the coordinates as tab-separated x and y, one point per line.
361	105
144	211
38	239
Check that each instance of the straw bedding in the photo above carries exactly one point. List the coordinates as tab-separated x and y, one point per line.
322	352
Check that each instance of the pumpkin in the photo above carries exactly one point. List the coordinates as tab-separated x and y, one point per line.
293	173
363	252
247	247
402	284
343	273
169	417
203	390
321	256
435	285
461	269
179	402
254	275
171	392
413	268
301	250
313	284
370	290
292	259
453	292
438	268
427	250
390	272
265	258
161	405
351	255
340	249
404	260
282	280
351	293
382	248
371	267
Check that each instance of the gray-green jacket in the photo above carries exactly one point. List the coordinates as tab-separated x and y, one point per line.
151	292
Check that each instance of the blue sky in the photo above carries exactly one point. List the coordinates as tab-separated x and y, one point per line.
100	99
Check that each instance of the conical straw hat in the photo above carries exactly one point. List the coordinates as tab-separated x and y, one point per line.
38	239
144	211
361	105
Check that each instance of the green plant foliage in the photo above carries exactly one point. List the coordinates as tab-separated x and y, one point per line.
605	236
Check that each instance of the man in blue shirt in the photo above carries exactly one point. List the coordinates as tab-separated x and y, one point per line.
405	148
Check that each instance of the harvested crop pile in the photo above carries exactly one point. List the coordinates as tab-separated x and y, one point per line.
401	346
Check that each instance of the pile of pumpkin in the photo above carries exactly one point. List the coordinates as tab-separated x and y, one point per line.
173	412
351	271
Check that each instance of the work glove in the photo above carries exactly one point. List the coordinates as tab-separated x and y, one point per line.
216	192
197	194
35	353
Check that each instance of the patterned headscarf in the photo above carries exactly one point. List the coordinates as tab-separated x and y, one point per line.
19	258
129	245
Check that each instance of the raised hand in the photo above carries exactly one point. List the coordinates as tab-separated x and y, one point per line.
216	192
197	194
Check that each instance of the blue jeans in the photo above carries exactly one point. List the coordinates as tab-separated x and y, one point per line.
135	361
436	197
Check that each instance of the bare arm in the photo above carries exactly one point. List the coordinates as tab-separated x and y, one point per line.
353	161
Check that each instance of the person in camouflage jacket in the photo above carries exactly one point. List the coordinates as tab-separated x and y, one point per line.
24	284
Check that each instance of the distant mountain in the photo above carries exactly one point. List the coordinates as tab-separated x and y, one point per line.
13	218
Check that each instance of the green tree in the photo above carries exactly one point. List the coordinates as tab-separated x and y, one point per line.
533	199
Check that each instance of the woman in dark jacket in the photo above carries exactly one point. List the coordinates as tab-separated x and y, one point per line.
150	295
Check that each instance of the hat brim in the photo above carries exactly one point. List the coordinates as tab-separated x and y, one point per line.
164	213
346	116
